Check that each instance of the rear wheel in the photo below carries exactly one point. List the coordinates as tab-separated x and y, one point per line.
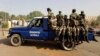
15	40
68	45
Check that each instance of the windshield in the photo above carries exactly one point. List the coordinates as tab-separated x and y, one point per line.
35	23
32	22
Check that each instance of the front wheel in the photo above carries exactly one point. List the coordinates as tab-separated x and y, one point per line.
15	40
67	45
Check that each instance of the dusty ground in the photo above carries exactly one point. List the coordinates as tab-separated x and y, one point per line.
47	49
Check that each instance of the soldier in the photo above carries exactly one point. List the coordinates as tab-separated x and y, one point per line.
60	23
66	20
53	22
83	26
59	19
49	13
67	29
65	25
73	25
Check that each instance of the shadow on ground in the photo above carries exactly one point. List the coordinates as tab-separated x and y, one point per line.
38	45
5	41
45	45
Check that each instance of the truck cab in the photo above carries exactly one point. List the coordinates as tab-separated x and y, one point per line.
37	29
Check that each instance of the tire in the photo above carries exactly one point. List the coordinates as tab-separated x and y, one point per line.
15	40
68	46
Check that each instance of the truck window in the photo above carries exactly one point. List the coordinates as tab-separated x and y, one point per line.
38	23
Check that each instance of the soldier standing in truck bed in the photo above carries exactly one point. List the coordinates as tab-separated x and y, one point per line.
53	22
60	23
83	25
49	13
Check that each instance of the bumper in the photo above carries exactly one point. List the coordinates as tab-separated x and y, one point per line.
8	36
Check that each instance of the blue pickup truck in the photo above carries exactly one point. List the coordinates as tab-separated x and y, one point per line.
37	30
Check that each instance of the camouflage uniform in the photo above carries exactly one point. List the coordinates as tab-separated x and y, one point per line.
73	26
83	26
67	28
53	22
59	19
60	23
49	13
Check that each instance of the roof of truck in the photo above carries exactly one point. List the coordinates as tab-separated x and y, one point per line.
40	17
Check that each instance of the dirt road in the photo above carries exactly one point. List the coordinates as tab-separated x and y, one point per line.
48	49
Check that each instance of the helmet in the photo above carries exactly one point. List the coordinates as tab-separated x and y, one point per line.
73	10
59	11
48	9
82	12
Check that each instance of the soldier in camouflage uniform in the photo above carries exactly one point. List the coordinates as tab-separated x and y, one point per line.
52	21
60	23
49	13
67	29
73	25
83	26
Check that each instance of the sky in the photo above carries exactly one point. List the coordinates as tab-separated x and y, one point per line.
90	7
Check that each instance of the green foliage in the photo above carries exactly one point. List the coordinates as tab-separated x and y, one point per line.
21	17
98	19
4	15
34	14
94	23
13	17
5	25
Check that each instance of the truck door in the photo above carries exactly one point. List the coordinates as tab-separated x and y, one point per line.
36	31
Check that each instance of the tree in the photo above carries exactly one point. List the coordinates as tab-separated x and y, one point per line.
94	23
98	19
21	17
34	14
4	15
13	17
